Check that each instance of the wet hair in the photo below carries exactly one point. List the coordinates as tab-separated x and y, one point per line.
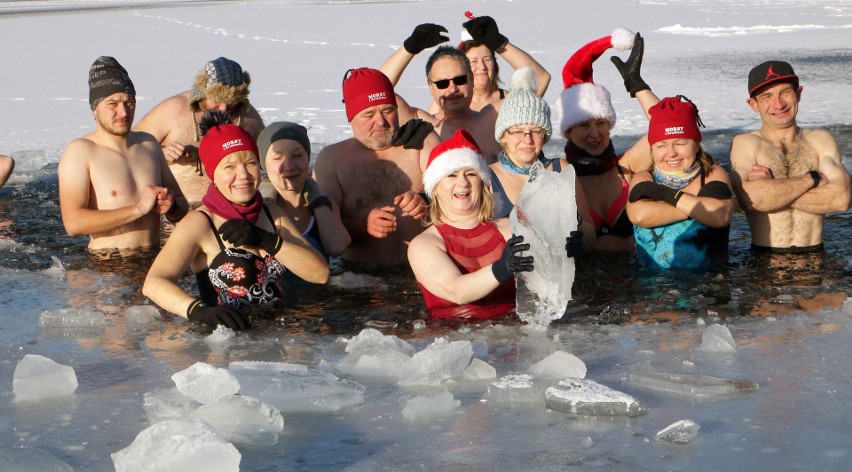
213	118
447	51
486	208
705	159
466	46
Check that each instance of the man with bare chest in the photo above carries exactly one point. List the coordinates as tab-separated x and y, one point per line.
114	183
221	85
373	177
786	178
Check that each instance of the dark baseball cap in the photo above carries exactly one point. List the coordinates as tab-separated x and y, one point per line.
770	72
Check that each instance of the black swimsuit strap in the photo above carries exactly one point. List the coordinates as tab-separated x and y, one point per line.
215	233
269	216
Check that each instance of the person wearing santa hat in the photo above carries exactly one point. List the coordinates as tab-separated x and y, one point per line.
238	247
586	117
682	208
464	262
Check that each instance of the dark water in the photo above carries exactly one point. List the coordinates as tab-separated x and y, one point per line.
608	288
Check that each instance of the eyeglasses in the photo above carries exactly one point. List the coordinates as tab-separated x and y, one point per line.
444	83
519	133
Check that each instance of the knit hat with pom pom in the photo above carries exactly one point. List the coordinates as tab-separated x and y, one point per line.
523	106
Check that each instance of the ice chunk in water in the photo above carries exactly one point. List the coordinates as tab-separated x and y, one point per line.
428	405
29	459
545	213
680	432
440	360
161	405
205	383
370	339
587	397
178	445
847	306
222	336
515	388
690	384
291	387
142	314
717	338
479	370
37	377
373	354
559	365
243	420
72	318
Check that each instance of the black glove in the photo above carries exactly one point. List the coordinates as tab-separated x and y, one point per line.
241	233
217	315
654	191
510	262
425	36
314	196
412	134
630	70
574	244
484	30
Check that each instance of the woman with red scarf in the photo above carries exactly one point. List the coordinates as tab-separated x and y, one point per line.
238	248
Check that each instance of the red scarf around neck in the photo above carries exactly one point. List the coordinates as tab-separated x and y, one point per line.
218	204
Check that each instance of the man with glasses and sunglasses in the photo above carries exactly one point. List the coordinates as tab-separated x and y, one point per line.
375	176
786	178
220	85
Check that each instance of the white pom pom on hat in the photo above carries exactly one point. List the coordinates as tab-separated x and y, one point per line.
582	99
522	106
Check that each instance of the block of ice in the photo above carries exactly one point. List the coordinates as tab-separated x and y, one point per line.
72	318
29	459
439	361
847	306
172	445
545	213
479	370
243	420
370	339
37	377
292	387
515	388
141	315
161	405
691	384
559	365
679	432
378	363
441	401
587	397
221	336
205	383
717	338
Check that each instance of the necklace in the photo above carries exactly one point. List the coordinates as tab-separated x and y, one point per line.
778	154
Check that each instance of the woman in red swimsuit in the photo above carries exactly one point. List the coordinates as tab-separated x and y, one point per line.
238	247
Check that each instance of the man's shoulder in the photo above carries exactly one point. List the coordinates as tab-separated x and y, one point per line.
172	105
818	136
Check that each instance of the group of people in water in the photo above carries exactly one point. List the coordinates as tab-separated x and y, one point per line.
431	187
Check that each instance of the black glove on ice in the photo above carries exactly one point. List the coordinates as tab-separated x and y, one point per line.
412	134
510	261
217	315
574	244
425	36
241	233
484	29
630	70
654	191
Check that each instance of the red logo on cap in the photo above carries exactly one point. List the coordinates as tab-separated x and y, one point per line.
770	73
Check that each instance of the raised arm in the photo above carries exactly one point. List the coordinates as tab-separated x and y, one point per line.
638	157
7	165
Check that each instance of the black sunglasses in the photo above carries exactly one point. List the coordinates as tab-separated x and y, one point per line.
444	83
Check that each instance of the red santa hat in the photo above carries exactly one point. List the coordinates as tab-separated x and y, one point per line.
582	99
460	151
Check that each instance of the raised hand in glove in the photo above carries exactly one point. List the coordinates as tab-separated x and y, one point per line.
654	191
425	36
630	70
484	30
574	244
217	315
242	233
412	134
510	262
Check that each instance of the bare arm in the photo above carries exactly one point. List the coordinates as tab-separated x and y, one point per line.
835	194
167	180
7	165
296	254
754	185
517	58
713	212
395	65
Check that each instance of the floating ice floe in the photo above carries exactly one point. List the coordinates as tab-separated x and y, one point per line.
515	388
205	383
692	384
242	420
161	405
439	361
847	306
178	445
680	432
479	370
717	338
587	397
72	318
441	401
37	377
292	387
29	459
373	354
559	365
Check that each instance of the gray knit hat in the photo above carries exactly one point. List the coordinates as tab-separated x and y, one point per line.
523	106
223	81
282	130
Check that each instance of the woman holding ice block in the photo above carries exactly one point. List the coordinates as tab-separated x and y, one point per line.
464	262
522	129
238	247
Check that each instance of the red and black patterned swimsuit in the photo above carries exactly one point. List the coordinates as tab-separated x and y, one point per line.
239	278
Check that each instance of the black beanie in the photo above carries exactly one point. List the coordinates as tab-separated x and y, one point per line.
106	77
282	130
